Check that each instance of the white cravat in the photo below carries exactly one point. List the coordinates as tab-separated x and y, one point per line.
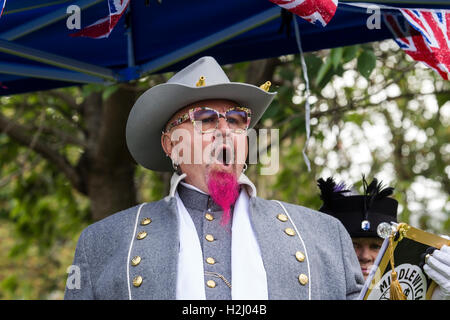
249	281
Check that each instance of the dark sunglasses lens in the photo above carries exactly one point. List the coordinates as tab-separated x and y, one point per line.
206	118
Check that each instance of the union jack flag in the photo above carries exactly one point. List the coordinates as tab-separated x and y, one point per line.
2	6
103	27
318	12
424	36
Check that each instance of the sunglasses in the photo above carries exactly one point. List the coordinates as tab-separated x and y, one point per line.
206	120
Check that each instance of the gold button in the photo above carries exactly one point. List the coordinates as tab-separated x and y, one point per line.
135	261
137	281
300	256
209	217
303	279
210	260
289	232
141	235
145	221
209	237
282	217
211	283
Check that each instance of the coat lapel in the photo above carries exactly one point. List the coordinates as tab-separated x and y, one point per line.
278	251
157	252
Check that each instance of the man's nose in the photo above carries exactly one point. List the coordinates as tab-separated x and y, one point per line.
223	127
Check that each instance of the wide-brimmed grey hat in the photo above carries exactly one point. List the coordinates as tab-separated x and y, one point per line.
155	107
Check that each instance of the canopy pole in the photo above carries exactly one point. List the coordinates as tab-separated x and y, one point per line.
56	60
130	44
210	41
47	73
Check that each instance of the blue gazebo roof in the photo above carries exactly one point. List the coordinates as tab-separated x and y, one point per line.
37	53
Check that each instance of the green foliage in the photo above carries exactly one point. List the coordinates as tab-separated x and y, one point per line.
369	115
44	209
366	63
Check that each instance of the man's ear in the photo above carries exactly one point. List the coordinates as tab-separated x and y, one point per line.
166	143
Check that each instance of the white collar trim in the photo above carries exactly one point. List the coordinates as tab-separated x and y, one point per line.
176	179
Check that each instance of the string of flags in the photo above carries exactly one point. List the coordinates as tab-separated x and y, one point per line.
425	37
318	12
102	28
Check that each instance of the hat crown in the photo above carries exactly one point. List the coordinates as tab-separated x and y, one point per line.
204	67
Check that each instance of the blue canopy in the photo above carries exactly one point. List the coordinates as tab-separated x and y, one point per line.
37	53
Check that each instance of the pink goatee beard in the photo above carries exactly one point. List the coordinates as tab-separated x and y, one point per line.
224	190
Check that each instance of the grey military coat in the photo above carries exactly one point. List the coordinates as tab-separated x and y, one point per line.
133	254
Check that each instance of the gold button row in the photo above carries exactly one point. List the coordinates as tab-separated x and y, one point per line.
302	278
137	281
142	234
284	218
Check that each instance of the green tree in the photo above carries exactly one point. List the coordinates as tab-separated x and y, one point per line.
373	110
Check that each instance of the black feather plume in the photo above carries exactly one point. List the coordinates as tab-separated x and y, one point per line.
375	191
330	191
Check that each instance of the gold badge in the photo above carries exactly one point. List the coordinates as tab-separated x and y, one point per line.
201	82
266	86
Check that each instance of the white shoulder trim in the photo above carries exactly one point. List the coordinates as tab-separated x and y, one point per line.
129	250
304	246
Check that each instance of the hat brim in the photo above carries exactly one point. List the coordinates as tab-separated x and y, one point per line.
156	106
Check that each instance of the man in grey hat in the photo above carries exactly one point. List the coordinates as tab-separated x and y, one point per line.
211	237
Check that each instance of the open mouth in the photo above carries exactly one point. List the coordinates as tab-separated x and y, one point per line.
224	155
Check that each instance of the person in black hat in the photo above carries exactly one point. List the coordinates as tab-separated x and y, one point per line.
362	215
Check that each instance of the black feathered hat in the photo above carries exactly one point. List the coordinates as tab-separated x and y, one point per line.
360	214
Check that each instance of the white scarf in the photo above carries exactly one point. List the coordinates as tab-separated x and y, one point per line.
249	281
